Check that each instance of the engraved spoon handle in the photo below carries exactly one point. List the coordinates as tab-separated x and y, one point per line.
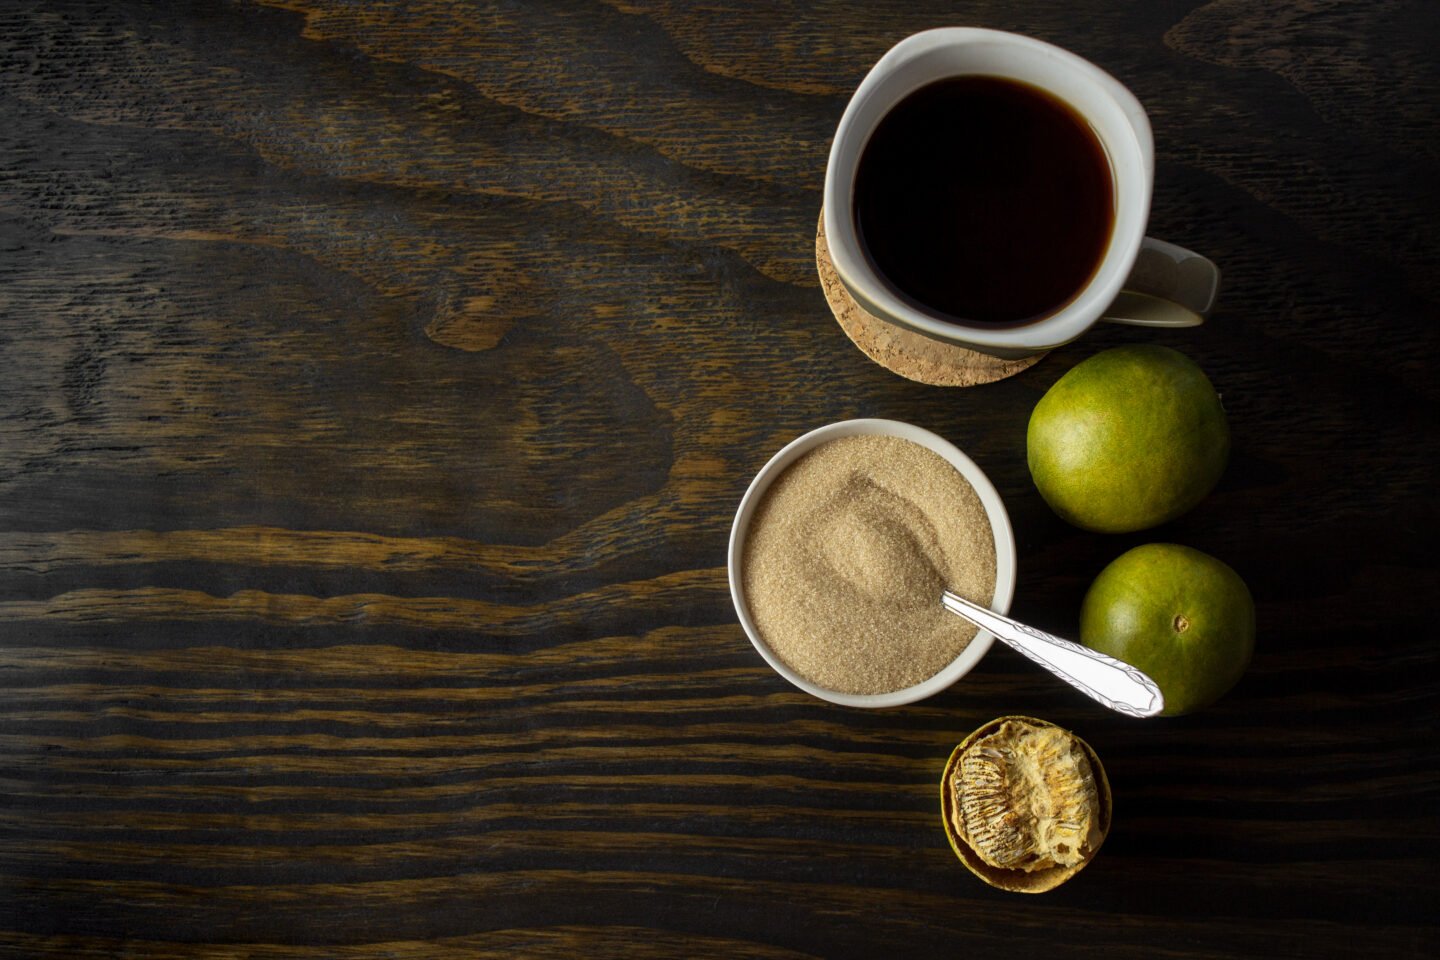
1117	685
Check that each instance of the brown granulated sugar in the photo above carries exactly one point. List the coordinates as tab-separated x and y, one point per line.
847	555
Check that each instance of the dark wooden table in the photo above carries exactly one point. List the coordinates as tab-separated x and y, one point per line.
377	384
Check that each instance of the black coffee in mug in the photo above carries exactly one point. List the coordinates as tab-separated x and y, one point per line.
984	201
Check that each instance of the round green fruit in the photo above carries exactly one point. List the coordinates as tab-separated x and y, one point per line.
1130	438
1180	615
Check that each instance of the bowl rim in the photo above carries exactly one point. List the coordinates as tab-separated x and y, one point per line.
995	512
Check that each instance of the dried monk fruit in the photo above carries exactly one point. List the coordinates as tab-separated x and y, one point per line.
1025	804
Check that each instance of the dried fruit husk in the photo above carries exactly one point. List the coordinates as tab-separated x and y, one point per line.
1035	876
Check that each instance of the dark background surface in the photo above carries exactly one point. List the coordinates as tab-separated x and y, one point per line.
377	384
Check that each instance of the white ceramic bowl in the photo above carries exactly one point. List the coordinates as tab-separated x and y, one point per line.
999	526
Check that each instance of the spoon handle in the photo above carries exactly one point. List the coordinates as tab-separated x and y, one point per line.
1117	685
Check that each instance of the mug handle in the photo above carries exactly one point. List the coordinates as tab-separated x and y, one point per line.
1168	287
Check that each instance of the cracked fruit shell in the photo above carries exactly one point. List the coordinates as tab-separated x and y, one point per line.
1025	804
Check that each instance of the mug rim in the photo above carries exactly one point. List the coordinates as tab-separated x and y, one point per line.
1085	307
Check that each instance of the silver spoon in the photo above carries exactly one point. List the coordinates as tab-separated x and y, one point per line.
1117	685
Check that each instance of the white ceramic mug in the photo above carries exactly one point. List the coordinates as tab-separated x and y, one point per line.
1139	280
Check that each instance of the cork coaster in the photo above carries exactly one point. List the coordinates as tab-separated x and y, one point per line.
911	355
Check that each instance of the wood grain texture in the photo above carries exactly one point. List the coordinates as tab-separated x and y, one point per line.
378	383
